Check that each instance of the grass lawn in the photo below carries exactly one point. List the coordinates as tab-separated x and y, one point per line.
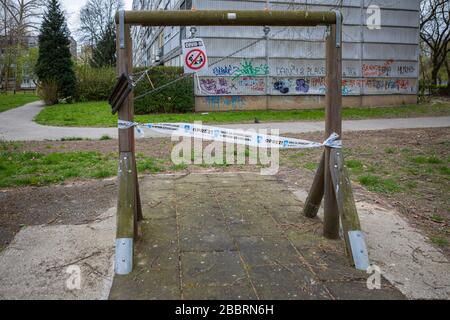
10	101
37	168
98	114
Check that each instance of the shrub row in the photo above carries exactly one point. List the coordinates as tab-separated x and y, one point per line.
430	89
95	84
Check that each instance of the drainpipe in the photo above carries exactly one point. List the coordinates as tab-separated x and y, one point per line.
266	34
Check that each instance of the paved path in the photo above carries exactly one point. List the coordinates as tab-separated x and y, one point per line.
17	124
233	237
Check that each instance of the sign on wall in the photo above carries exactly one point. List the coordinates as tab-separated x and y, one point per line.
194	55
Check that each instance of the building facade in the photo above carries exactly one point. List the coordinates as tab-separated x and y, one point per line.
286	69
9	73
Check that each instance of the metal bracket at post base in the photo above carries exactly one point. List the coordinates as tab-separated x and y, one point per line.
359	250
124	256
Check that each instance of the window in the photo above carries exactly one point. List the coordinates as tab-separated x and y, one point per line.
185	5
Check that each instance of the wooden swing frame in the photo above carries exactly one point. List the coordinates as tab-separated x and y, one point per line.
331	179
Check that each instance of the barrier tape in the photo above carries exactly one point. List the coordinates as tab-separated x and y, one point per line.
248	138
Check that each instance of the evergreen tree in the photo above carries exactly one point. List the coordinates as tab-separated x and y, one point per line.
104	53
55	60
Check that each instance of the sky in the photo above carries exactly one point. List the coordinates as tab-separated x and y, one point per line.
73	7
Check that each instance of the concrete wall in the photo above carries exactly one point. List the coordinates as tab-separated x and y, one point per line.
240	103
380	67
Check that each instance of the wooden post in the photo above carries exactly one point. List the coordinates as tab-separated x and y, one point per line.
128	209
333	123
315	196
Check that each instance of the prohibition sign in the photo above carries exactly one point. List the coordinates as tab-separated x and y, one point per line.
195	59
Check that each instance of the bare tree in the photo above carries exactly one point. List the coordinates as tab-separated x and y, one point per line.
447	68
18	19
435	32
96	18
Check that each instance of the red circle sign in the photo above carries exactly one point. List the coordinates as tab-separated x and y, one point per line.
195	59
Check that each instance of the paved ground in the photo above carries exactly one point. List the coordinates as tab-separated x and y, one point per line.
214	235
17	124
235	236
39	263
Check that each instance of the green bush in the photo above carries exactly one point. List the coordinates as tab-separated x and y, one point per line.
177	98
426	88
96	84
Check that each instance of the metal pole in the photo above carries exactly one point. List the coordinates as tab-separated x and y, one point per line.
266	34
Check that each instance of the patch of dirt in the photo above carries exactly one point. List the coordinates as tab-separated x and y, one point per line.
69	204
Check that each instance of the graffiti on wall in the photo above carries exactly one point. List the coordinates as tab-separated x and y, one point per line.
302	86
313	85
280	69
388	68
302	70
370	70
231	85
222	103
317	85
245	68
283	86
225	70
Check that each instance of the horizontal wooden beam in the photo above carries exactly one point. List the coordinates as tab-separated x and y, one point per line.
229	18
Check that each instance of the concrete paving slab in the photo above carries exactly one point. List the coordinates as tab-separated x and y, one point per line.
287	282
267	250
203	269
46	262
236	292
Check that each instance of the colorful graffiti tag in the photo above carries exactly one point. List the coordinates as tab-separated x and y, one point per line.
245	68
302	70
317	85
314	85
377	70
226	70
302	86
223	103
389	68
231	85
